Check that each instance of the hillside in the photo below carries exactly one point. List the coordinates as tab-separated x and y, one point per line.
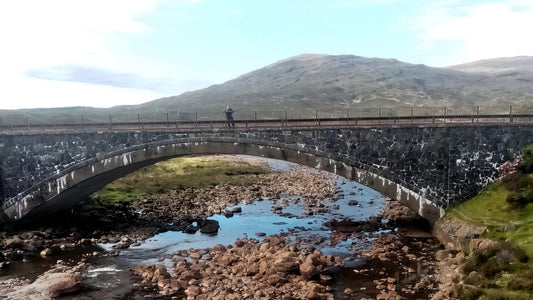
519	67
315	81
323	81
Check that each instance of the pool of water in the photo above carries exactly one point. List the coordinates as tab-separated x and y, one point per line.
109	275
255	218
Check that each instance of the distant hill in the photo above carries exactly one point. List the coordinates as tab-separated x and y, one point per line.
323	81
314	81
516	70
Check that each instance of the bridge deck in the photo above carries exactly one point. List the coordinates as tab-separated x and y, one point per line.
459	119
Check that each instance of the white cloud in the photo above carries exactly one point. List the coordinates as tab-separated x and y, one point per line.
49	32
496	29
36	34
35	93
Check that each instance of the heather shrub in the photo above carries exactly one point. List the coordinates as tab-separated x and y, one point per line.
526	164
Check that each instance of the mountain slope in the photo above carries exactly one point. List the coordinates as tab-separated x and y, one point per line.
324	81
315	81
519	68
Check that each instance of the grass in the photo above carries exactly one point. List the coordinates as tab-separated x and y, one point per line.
503	222
175	174
507	223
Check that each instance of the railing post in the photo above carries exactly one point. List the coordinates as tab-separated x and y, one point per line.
82	123
28	123
348	116
379	115
110	123
139	121
284	123
477	117
316	118
167	121
412	114
55	123
510	114
445	114
178	120
196	120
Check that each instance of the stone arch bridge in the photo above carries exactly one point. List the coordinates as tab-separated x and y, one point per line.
427	168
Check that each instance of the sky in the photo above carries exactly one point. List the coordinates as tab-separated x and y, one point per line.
103	53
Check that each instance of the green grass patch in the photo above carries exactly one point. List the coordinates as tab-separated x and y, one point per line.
503	221
175	174
501	273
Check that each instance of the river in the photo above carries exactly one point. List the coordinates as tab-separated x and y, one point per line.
108	275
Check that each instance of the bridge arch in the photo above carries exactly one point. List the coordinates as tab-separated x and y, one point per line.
68	187
428	168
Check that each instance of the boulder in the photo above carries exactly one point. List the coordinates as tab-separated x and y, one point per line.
236	210
308	270
14	242
209	226
46	252
56	282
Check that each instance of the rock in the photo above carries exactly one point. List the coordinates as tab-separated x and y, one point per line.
237	244
4	265
444	254
14	242
62	283
308	270
209	226
348	291
324	277
309	212
193	291
236	210
260	234
46	252
218	248
195	255
190	229
353	202
53	283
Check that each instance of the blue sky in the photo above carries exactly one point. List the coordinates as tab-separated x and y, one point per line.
110	52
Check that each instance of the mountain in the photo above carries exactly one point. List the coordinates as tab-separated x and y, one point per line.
340	81
315	81
519	68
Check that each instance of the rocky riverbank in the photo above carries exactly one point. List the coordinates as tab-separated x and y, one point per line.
175	210
397	263
247	269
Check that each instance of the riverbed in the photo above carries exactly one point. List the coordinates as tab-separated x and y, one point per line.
108	274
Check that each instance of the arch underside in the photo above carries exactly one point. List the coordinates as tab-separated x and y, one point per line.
65	190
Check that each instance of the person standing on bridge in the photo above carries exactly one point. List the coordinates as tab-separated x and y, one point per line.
229	117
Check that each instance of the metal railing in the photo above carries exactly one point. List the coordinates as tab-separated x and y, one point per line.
176	120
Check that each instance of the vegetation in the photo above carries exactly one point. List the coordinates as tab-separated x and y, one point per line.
505	209
175	174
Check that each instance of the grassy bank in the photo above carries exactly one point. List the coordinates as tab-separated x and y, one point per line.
504	271
503	222
176	174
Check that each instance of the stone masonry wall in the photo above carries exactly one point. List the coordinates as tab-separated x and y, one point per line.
443	164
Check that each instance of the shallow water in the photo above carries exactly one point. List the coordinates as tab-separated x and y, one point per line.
255	218
108	276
